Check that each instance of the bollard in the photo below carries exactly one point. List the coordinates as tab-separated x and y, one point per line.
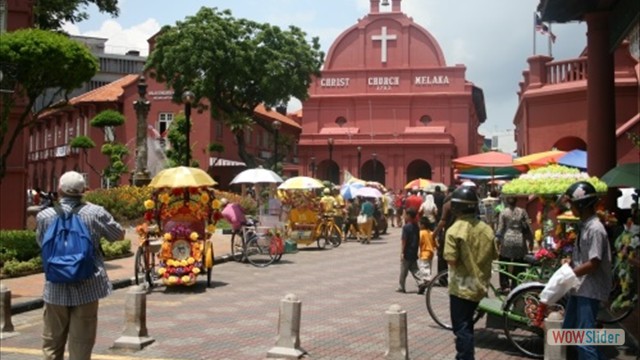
288	341
135	335
553	352
6	326
397	341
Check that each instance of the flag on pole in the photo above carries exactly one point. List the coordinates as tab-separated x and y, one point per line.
543	29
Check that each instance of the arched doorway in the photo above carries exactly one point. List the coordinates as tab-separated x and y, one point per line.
374	170
570	143
328	170
418	169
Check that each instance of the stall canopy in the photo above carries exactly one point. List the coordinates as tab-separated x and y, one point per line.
574	158
540	159
488	165
625	175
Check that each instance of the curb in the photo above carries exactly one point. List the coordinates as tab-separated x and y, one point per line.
35	304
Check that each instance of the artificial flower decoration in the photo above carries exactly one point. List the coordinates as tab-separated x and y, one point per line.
164	198
196	270
191	261
193	236
215	204
185	279
204	198
149	204
168	237
161	271
211	228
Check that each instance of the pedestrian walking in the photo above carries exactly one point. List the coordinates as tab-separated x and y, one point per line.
399	202
427	249
409	252
71	309
429	210
515	239
351	223
446	220
469	251
366	210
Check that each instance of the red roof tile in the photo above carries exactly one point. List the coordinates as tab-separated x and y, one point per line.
273	115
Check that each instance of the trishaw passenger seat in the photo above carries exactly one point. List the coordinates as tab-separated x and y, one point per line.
186	220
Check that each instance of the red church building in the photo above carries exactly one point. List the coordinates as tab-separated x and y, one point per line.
387	107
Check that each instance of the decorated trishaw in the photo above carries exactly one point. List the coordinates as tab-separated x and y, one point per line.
305	224
180	217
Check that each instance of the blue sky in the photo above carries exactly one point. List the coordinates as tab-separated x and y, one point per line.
492	38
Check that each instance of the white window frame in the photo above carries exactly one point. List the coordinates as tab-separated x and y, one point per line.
164	118
66	132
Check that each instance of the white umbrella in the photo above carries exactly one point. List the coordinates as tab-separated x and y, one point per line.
368	192
256	176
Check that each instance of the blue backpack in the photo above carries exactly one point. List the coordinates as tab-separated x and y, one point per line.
68	254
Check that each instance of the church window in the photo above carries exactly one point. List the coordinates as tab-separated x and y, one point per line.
425	120
340	121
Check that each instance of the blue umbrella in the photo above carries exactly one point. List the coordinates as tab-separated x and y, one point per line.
574	158
347	191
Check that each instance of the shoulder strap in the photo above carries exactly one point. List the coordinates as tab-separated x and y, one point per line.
76	209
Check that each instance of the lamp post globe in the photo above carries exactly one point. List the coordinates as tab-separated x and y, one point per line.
276	128
187	99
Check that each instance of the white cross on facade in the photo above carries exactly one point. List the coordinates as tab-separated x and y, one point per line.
383	38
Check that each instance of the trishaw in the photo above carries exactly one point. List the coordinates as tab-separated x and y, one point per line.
179	220
305	225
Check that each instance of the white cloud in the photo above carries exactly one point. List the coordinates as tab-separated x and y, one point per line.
121	40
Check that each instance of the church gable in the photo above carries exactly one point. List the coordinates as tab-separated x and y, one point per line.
384	41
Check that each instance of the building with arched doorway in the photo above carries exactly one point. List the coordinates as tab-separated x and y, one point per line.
387	107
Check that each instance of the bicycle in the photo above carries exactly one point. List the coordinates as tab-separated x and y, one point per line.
328	232
517	308
256	245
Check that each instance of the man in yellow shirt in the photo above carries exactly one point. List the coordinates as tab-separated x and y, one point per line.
327	203
469	250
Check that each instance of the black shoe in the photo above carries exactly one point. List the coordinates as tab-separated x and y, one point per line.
400	290
422	289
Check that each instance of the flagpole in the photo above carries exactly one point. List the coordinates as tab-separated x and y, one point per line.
550	40
534	32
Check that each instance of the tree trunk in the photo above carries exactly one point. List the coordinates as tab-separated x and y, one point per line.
248	159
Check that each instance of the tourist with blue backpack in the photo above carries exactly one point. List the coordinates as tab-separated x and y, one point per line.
69	235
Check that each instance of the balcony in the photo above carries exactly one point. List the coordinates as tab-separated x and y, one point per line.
558	72
51	153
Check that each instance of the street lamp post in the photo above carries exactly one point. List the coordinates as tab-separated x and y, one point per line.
313	166
359	161
276	128
141	106
187	99
375	165
330	171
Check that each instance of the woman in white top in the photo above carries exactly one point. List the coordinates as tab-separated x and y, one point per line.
429	210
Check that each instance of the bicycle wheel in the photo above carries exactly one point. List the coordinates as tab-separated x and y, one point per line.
236	246
258	251
140	268
321	234
614	309
437	300
334	236
519	312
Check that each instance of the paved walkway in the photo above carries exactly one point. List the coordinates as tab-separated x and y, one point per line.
344	294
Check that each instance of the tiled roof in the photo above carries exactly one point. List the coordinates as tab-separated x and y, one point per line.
273	115
108	93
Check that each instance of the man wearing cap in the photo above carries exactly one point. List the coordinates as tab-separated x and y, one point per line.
71	309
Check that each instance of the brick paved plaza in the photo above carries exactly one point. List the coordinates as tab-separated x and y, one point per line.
344	294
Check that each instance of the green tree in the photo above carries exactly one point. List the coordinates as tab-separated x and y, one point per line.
50	14
107	121
43	60
236	64
215	148
176	153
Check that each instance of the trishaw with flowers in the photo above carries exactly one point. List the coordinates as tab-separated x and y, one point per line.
179	220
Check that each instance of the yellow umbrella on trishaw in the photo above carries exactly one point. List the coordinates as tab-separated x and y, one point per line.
182	176
301	183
